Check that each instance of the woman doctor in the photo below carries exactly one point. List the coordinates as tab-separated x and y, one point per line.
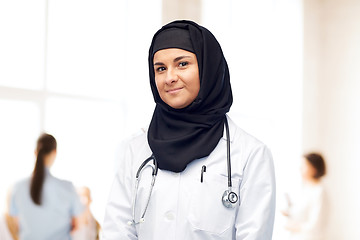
193	146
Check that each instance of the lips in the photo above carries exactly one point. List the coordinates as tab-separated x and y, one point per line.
174	90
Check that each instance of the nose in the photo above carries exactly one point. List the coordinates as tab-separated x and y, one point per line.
171	76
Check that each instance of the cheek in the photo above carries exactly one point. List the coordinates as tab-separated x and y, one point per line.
196	84
312	171
158	84
303	168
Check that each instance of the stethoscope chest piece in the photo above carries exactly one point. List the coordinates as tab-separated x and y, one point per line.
229	199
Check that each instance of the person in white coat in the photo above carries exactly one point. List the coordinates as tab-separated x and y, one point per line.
204	177
307	212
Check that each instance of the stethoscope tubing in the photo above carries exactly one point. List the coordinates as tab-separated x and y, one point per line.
228	152
155	170
137	181
229	203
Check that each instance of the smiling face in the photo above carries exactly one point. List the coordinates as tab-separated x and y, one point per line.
176	76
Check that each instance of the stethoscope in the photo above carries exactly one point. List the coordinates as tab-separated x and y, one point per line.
229	198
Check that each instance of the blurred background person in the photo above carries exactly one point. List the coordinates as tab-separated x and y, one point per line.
5	233
8	225
56	78
305	213
89	227
45	207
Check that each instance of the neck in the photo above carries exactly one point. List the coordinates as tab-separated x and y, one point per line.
49	160
312	181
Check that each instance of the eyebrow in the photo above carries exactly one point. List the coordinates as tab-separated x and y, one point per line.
175	60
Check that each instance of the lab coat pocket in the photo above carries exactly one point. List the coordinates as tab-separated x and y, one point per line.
207	212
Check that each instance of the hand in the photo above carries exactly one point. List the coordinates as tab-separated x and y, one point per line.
285	213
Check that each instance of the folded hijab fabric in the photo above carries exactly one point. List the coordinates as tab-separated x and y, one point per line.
179	136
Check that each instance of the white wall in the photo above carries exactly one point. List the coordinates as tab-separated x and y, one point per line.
184	9
260	52
331	105
76	69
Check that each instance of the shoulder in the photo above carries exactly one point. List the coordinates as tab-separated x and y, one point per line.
249	150
63	188
62	183
18	194
133	149
319	189
136	141
138	136
243	138
20	185
22	182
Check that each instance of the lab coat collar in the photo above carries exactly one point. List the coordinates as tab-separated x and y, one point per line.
232	129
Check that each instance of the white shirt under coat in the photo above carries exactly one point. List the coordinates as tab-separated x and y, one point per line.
182	207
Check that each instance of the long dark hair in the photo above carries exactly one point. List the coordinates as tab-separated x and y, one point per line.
45	145
317	161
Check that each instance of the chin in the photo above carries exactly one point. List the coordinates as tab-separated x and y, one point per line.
175	105
178	106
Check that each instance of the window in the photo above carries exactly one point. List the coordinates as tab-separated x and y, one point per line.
76	69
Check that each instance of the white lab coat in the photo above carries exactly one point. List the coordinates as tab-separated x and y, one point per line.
182	207
308	213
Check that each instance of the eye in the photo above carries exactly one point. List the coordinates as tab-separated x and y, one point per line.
183	64
160	69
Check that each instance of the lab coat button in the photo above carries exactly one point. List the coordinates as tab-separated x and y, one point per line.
169	216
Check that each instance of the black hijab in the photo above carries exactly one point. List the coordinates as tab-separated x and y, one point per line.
179	136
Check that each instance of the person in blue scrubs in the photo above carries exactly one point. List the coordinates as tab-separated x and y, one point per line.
45	207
